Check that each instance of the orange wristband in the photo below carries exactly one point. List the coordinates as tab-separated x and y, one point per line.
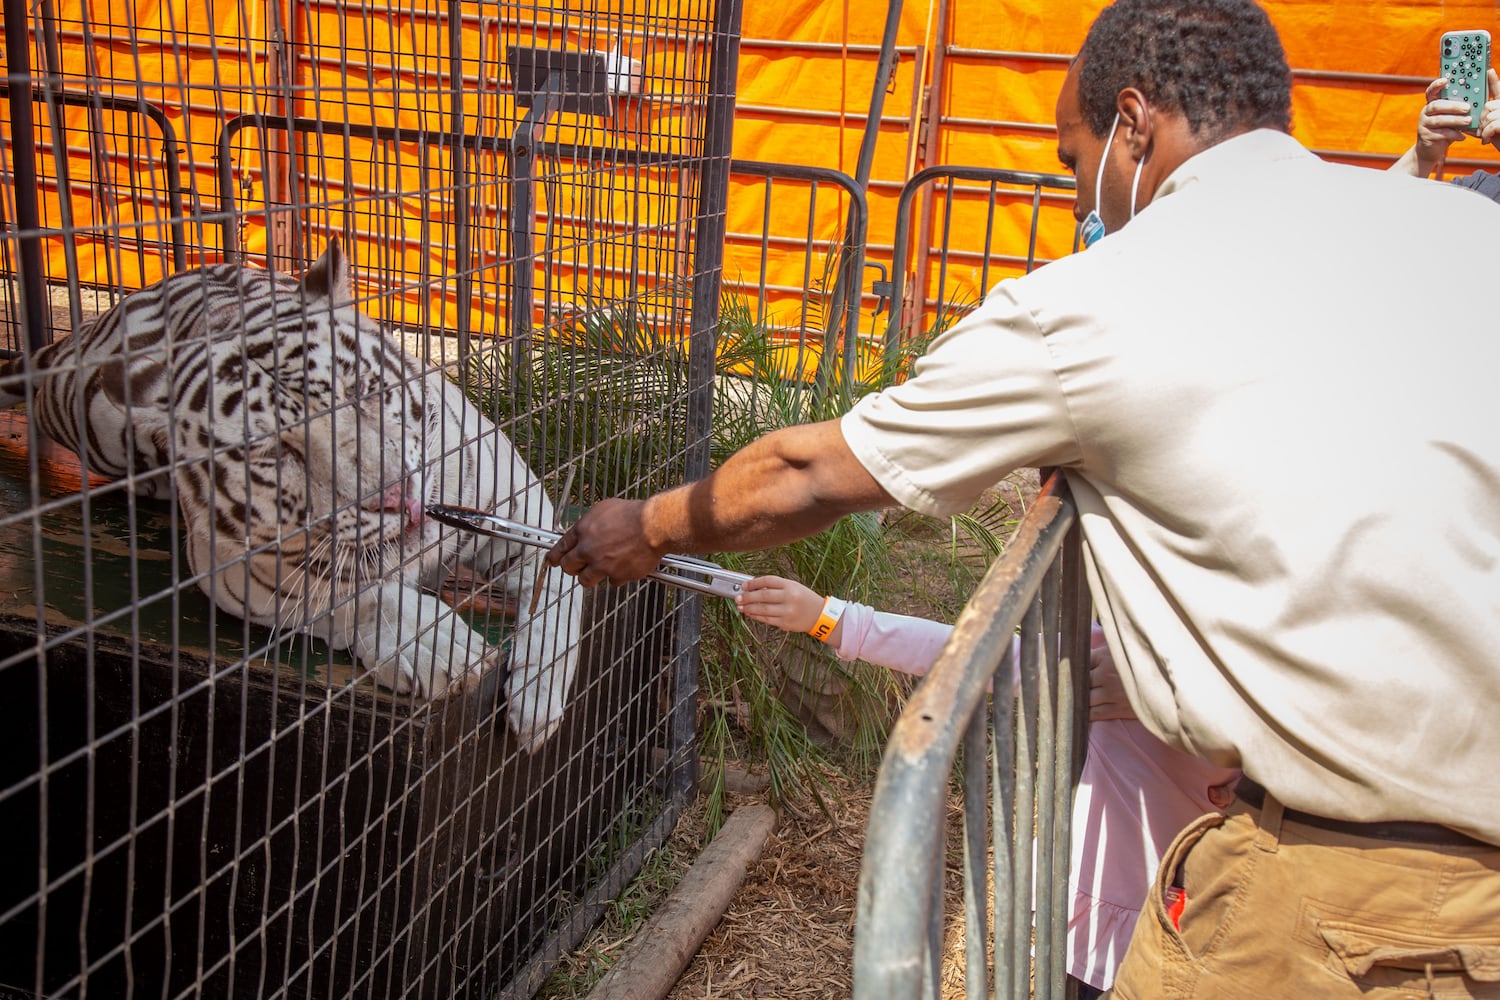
833	610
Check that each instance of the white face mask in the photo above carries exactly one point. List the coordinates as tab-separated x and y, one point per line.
1093	226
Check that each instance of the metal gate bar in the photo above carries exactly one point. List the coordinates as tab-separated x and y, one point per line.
841	326
1020	765
171	160
906	318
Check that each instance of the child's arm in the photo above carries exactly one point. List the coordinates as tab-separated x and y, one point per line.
896	642
900	642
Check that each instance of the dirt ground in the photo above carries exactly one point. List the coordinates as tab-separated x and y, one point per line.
789	929
789	932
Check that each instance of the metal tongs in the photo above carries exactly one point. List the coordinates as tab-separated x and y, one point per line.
679	571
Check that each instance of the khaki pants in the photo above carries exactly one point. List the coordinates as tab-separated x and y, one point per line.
1284	910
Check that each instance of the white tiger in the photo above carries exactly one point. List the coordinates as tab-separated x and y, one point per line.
303	444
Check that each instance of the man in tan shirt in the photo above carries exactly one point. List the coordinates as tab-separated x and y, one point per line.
1285	445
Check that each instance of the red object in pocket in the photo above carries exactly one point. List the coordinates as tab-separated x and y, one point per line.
1174	899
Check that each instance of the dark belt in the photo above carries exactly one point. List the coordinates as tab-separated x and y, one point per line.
1400	831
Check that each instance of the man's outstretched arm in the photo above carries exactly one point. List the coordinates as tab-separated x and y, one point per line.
786	485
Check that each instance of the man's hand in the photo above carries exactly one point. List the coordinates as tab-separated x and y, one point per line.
783	486
607	543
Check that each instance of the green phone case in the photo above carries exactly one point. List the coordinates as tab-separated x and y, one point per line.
1464	59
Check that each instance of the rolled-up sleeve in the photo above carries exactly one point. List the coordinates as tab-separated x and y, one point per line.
983	401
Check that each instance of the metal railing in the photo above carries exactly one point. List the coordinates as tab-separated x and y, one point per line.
845	256
1019	758
158	203
933	196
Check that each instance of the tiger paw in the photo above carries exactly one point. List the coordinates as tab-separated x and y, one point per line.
413	643
544	658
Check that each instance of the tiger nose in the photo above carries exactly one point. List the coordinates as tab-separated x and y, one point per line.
403	499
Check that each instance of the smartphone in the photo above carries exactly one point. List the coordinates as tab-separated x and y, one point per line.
1464	60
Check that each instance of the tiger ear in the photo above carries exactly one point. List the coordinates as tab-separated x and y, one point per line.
330	276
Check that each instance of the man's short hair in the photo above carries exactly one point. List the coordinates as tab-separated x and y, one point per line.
1219	63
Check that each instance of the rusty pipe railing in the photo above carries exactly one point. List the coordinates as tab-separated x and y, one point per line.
1020	759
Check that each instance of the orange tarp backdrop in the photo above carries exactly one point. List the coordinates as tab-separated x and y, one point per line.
806	69
1359	72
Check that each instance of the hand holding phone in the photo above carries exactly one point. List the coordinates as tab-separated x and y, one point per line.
1489	122
1464	61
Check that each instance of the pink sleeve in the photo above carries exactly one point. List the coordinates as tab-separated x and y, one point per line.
896	642
901	642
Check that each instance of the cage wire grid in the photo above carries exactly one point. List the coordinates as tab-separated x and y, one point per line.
272	278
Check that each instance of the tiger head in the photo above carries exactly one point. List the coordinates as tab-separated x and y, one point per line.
317	436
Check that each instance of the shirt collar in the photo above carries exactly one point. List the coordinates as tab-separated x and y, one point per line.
1242	154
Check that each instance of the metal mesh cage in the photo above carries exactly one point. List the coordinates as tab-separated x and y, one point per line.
273	278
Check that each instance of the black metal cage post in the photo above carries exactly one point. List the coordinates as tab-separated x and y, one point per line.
272	280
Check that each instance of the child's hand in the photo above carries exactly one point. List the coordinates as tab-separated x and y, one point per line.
777	601
1106	694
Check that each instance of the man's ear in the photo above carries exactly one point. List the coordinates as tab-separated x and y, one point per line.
1136	126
